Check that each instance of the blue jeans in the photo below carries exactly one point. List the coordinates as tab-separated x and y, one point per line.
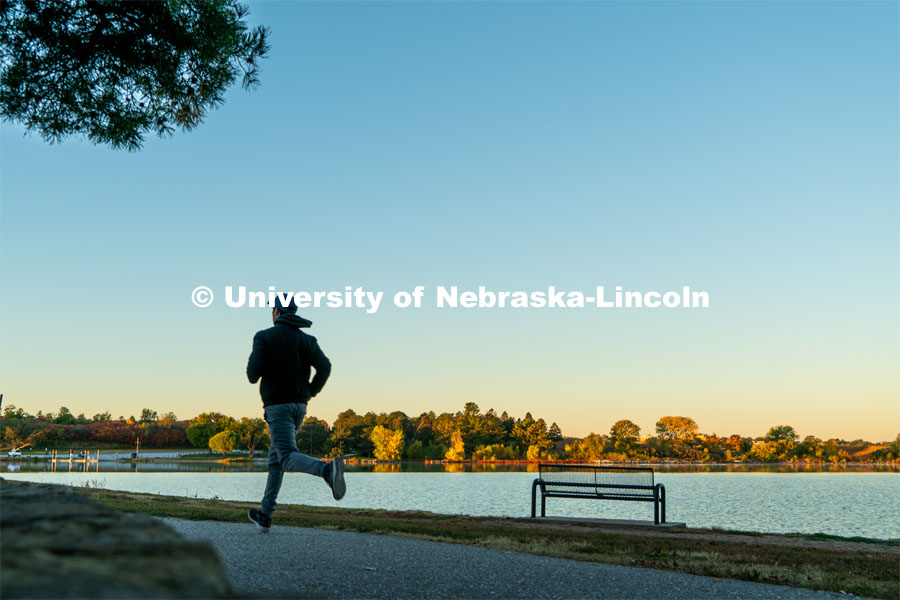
284	420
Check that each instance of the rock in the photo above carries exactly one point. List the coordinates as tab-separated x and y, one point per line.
55	543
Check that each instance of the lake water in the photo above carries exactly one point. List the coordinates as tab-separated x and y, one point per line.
837	503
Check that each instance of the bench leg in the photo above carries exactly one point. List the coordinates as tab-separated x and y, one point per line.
543	505
534	485
662	496
659	504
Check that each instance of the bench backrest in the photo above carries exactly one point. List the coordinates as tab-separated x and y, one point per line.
596	479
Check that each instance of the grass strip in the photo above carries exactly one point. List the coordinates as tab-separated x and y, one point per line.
850	565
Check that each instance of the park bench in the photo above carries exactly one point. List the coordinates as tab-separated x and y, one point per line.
559	480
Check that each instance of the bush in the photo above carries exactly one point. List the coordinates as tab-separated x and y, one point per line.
494	452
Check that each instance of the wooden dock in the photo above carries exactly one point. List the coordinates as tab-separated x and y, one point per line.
86	460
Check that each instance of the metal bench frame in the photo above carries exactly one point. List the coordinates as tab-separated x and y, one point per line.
599	490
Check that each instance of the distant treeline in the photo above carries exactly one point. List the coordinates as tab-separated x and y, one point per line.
465	435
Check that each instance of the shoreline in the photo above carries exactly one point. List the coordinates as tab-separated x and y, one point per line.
203	457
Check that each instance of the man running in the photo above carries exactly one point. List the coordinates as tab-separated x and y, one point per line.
282	356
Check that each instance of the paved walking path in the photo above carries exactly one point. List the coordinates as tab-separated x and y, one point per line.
315	563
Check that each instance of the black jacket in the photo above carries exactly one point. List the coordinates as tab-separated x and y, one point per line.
282	356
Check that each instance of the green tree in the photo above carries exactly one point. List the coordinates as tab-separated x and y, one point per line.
529	432
784	439
782	433
415	451
424	428
443	427
388	443
11	412
114	71
555	432
492	430
457	450
148	416
64	417
434	451
251	433
312	436
223	442
348	434
206	425
470	425
521	431
397	421
624	435
104	416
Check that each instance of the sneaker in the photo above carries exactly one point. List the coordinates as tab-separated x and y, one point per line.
336	478
259	519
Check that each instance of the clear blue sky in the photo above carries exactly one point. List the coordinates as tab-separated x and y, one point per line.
747	149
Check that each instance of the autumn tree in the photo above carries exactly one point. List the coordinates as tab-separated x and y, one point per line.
735	444
223	442
676	437
115	71
167	419
12	438
676	428
388	443
457	450
590	448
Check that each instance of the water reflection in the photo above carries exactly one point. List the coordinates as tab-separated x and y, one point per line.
164	465
456	467
126	466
